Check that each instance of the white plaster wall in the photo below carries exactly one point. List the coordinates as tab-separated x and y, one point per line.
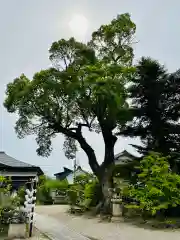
70	178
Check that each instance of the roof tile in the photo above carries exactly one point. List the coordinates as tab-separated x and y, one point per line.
12	162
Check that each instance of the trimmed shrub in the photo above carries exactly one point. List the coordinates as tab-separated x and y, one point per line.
157	188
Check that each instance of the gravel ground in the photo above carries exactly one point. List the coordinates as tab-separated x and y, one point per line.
94	229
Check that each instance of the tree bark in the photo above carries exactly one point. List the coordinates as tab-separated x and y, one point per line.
76	134
106	174
90	154
106	182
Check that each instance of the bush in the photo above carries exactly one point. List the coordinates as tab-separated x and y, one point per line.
44	195
75	194
157	188
72	196
92	193
85	192
21	195
60	186
46	186
8	205
84	179
43	192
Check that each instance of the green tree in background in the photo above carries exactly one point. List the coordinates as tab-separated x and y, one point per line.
85	88
155	97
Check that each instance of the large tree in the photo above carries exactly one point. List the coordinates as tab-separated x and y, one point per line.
155	96
84	88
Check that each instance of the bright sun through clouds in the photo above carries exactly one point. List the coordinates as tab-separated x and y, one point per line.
79	25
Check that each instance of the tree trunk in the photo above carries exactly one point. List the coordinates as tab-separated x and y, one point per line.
106	181
104	172
106	176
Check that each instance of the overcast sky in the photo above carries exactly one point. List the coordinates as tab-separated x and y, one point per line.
28	27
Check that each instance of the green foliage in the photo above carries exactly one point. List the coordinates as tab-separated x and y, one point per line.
92	193
113	42
44	195
83	179
154	95
8	204
73	195
76	190
45	187
85	192
126	171
84	88
157	188
70	147
56	184
21	195
42	179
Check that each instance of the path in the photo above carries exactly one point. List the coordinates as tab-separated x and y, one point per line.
94	228
55	229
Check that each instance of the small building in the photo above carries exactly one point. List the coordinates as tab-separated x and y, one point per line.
69	174
125	157
125	164
19	172
123	160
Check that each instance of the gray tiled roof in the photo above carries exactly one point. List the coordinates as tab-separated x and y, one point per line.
68	171
125	157
126	153
12	162
123	153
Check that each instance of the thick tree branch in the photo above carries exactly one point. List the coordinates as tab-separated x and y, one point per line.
109	141
77	135
78	128
91	155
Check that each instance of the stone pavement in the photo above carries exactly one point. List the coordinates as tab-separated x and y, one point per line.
56	230
94	229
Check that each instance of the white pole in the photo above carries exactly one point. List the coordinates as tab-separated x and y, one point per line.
74	168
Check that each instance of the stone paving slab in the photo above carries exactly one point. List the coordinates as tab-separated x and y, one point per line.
56	230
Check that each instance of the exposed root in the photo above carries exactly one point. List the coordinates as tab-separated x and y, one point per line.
103	208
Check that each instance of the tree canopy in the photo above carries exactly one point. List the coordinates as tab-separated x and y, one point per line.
155	96
85	87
